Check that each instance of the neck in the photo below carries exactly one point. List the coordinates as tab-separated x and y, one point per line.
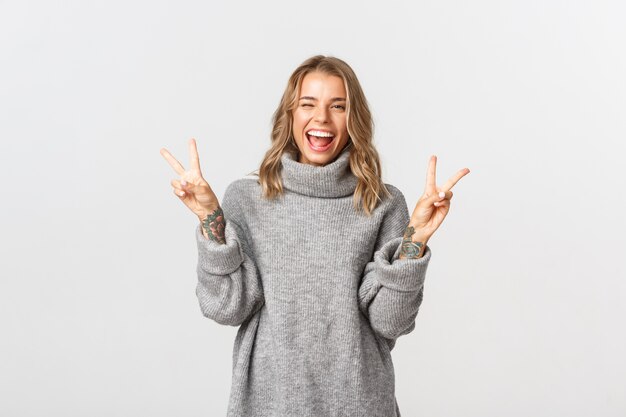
334	179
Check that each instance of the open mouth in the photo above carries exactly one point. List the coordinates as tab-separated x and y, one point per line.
320	140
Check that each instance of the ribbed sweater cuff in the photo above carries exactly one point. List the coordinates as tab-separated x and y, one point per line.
218	258
400	274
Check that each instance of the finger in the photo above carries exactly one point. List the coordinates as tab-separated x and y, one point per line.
193	152
454	179
180	194
442	203
431	181
448	195
172	161
188	187
177	185
440	196
441	193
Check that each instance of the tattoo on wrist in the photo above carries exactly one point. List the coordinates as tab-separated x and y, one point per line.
214	225
409	248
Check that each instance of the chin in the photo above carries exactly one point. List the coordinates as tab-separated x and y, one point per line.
316	159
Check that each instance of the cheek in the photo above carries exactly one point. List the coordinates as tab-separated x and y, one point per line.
340	119
297	133
298	122
343	126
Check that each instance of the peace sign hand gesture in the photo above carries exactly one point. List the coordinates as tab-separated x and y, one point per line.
431	209
192	189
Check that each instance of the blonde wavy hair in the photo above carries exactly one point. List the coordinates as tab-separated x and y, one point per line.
364	158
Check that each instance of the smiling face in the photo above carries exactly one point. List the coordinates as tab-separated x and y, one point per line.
320	122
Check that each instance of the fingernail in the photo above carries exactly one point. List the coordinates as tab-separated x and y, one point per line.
183	183
182	193
442	194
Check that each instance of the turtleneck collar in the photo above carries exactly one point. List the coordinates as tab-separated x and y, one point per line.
334	179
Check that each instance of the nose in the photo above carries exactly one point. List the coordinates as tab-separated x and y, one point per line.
321	115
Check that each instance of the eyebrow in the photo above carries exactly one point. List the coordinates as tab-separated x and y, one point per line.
313	98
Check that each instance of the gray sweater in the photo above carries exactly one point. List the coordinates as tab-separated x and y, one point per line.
318	293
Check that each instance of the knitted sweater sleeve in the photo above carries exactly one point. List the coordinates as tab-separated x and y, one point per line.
391	289
229	288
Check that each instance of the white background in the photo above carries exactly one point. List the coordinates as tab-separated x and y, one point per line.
524	303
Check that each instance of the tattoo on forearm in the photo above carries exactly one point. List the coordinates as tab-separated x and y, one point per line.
409	248
214	225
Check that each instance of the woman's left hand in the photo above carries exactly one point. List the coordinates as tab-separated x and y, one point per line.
433	205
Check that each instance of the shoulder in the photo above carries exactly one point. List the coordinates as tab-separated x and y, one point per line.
394	216
395	191
395	201
395	208
239	195
242	188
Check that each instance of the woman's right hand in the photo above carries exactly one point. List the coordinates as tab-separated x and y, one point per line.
192	189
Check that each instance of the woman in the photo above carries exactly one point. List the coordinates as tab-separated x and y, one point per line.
317	260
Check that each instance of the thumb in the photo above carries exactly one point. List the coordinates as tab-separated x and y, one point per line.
439	196
189	187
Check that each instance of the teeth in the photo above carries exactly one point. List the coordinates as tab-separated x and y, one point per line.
320	134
